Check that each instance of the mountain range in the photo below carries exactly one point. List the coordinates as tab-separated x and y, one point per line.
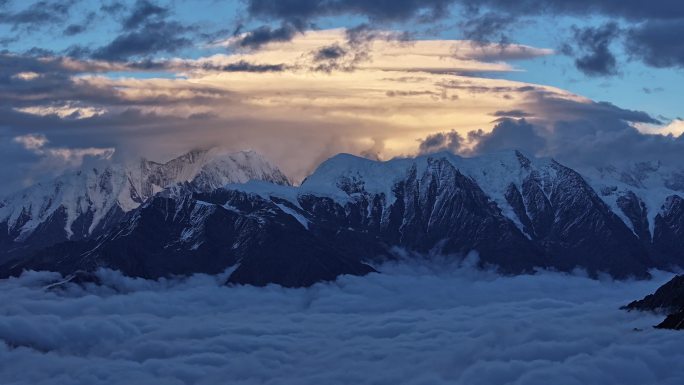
209	210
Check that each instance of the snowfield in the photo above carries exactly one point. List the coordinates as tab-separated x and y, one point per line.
412	324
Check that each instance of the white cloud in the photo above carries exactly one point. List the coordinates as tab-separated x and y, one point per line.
674	128
59	159
64	111
26	76
410	325
33	142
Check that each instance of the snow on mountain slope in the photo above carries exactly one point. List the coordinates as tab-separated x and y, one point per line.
89	195
651	182
205	170
345	176
518	213
85	192
496	172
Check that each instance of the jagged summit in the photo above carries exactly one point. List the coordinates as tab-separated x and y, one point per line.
206	169
517	212
79	203
344	174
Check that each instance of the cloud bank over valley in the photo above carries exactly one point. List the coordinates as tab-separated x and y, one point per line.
411	324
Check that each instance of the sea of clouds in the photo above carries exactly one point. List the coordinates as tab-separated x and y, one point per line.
411	324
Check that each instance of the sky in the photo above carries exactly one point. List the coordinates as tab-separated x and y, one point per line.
411	324
588	82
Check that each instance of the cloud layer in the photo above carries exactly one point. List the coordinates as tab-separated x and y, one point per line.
412	324
362	91
339	91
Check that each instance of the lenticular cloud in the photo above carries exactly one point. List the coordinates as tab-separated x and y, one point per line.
409	325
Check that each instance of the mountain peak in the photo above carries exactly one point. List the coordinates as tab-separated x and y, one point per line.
84	198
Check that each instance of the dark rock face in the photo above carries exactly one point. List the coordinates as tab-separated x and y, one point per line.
47	233
571	224
52	232
88	203
184	235
673	321
635	210
669	298
585	232
441	211
547	215
668	235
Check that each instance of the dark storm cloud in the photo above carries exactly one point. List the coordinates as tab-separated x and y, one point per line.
509	134
181	66
654	40
567	109
587	134
512	114
362	34
265	34
295	15
74	29
380	11
52	85
51	82
113	8
402	10
77	28
142	11
336	57
38	14
151	38
628	9
488	27
577	133
441	141
334	51
244	66
146	30
658	43
586	143
11	64
591	47
77	51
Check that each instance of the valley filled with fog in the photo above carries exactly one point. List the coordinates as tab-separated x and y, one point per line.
412	324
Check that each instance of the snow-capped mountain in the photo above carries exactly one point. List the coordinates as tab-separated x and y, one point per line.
518	213
632	188
205	170
648	198
86	202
